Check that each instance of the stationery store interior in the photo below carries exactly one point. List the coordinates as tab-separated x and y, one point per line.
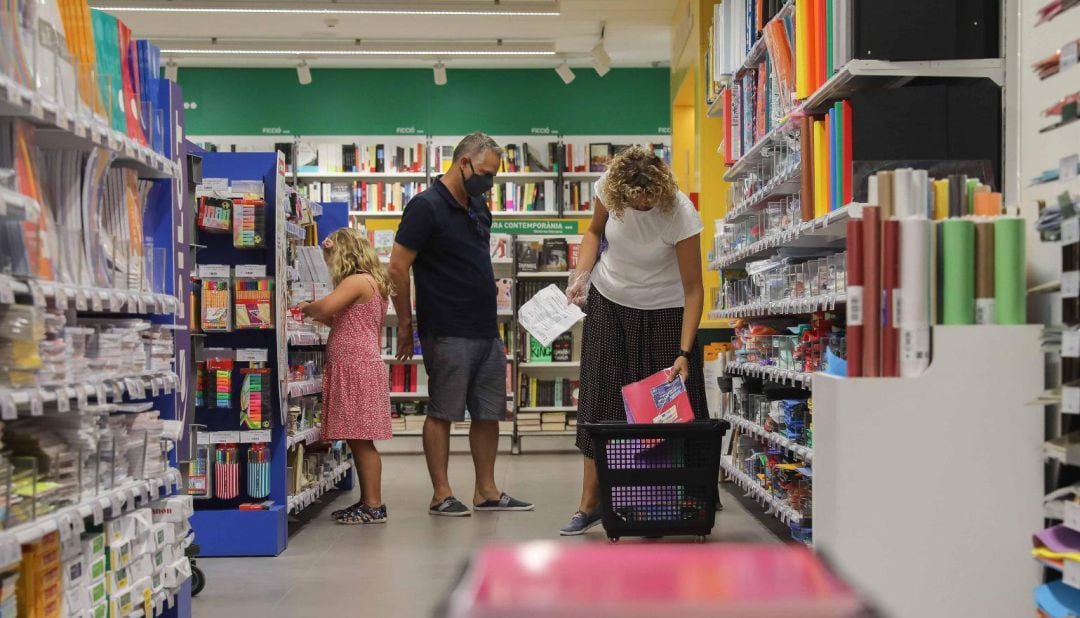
550	308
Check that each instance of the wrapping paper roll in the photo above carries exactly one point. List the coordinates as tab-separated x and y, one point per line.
890	281
902	205
885	194
1010	282
920	190
872	288
914	312
958	271
854	298
984	273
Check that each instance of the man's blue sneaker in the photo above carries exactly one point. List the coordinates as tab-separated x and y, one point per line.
580	522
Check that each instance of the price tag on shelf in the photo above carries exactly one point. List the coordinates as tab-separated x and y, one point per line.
80	396
214	271
37	406
98	512
1070	231
8	411
1070	344
135	387
116	501
116	301
99	394
60	297
155	386
203	438
63	400
118	391
96	303
37	295
1072	573
1067	168
225	437
251	271
80	299
258	435
252	355
7	294
1068	56
1070	284
1072	515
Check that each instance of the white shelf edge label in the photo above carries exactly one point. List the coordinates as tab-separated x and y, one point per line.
1070	231
252	355
213	271
1070	284
1070	344
252	271
258	435
1070	399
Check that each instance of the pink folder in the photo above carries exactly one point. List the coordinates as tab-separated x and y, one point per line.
657	400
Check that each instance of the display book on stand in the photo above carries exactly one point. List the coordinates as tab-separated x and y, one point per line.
239	470
931	265
88	393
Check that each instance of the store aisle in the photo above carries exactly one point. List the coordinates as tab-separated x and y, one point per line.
405	567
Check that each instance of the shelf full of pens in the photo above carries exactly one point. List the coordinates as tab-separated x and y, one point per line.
241	450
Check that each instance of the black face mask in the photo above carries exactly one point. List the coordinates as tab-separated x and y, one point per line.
477	184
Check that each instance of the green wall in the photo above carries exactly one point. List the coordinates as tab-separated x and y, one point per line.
401	101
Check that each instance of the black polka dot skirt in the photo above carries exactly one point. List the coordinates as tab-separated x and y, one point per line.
623	345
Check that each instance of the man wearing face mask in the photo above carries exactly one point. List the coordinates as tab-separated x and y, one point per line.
444	239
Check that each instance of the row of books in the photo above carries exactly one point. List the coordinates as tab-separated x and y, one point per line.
389	340
366	196
352	157
596	157
821	45
536	422
557	392
532	351
547	255
521	197
408	379
578	196
737	26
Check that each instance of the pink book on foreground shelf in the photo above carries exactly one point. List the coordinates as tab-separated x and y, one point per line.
657	400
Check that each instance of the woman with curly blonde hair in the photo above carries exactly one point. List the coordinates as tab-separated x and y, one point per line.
643	297
356	398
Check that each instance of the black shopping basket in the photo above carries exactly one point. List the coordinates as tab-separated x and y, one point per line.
658	480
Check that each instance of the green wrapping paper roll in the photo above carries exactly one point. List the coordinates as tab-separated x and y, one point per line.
958	271
1009	275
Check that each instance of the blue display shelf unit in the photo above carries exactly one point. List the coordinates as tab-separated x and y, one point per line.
222	528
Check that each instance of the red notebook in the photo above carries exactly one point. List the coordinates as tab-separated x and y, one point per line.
656	400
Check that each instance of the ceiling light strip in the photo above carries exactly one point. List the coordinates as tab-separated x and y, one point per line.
352	52
296	11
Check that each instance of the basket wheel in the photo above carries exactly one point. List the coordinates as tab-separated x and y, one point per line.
613	539
701	538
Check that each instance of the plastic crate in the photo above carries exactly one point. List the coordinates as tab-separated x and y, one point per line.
658	480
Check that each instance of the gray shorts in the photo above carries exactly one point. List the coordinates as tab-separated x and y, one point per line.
465	373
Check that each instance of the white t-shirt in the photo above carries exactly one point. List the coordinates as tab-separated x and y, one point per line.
639	268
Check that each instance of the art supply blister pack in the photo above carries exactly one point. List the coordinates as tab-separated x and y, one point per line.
215	215
249	224
198	482
219	367
216	306
255	398
254	303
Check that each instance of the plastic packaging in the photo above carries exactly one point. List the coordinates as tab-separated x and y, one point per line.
254	303
258	471
216	305
226	472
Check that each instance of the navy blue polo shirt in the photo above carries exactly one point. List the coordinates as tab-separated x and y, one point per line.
455	282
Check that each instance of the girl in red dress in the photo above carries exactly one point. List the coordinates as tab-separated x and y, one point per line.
356	398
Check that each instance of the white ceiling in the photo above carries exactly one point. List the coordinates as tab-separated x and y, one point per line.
637	33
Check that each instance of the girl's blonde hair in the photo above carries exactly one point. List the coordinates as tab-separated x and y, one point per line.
352	254
637	176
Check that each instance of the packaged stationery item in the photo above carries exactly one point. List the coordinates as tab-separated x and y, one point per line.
215	215
216	305
219	366
200	384
226	472
258	472
249	224
656	399
198	482
255	398
254	303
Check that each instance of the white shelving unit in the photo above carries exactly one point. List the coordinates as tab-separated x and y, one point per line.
918	479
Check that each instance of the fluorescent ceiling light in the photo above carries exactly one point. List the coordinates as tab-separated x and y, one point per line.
600	60
303	73
350	52
440	74
384	7
565	73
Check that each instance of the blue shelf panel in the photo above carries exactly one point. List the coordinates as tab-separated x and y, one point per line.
221	533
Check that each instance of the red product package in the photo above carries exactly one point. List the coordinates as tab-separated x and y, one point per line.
655	400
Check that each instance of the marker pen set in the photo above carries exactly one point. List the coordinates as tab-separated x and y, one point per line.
215	304
254	303
215	472
241	298
249	224
922	252
217	370
255	398
215	215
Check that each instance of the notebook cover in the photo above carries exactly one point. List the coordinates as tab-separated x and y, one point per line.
656	400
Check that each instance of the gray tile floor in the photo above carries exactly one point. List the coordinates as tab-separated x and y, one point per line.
405	567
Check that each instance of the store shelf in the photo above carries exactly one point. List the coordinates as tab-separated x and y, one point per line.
85	298
302	339
577	214
316	176
776	506
414	396
802	452
510	214
548	409
581	175
109	386
312	492
760	151
772	373
376	214
862	74
127	497
307	436
303	388
415	360
822	232
554	365
525	175
544	275
71	129
789	182
567	432
798	306
453	432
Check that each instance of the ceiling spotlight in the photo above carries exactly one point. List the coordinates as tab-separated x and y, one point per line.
171	71
303	73
600	60
440	74
565	73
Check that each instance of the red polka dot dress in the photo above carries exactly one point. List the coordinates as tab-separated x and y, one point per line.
356	390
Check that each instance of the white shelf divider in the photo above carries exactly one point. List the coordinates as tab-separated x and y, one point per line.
927	489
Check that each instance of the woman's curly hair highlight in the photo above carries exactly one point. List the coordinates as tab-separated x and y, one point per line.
637	176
